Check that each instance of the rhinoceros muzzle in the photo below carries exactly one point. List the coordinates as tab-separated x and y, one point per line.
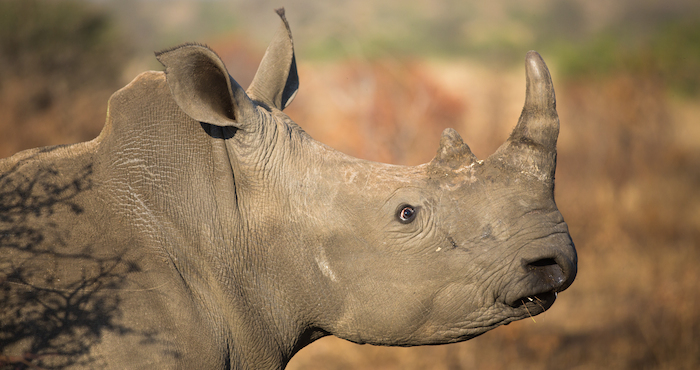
546	277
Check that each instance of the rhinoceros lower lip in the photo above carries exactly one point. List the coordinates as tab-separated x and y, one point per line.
536	303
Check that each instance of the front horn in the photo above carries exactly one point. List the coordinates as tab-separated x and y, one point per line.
532	146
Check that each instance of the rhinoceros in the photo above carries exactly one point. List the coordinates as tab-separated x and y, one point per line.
204	229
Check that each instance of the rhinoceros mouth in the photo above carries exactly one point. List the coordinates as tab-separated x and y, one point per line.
546	277
535	304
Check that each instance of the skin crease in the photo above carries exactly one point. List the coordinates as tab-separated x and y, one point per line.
204	229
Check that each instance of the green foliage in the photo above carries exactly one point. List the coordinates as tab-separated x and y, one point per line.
646	39
71	40
676	52
669	53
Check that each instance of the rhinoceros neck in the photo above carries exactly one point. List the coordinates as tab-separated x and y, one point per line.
192	198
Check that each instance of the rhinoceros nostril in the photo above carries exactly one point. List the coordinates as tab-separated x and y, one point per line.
542	263
548	271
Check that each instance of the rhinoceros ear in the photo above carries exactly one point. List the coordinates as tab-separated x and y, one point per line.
453	152
531	147
276	82
202	87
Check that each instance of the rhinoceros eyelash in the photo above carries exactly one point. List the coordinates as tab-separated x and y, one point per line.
406	213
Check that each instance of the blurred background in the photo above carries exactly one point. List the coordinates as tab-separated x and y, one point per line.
380	80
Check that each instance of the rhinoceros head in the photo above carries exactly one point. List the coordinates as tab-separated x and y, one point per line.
377	253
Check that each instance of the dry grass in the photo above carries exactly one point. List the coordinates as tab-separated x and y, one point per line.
32	116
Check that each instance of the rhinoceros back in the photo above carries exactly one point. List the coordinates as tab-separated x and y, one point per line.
80	285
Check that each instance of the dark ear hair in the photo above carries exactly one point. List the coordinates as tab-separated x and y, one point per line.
276	82
202	87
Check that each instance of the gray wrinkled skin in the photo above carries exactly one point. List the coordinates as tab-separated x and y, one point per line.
205	229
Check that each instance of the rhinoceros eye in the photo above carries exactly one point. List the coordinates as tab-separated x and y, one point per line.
406	214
